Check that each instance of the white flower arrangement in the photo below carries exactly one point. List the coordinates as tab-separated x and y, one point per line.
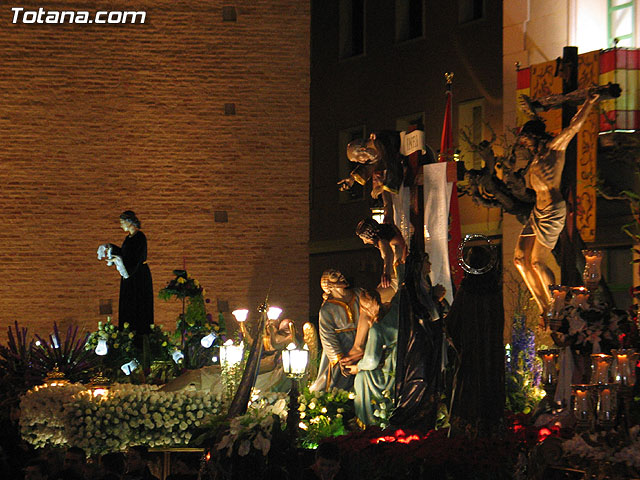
125	415
41	419
324	414
255	428
383	408
599	451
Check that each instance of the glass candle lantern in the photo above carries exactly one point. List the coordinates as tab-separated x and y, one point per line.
625	366
606	405
580	297
556	305
583	405
600	366
558	296
591	274
549	367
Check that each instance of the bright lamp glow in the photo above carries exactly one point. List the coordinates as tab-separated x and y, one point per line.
273	313
127	368
102	347
177	356
294	360
377	213
241	314
54	341
207	341
230	354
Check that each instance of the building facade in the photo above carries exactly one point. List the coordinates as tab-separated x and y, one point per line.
380	65
198	120
535	32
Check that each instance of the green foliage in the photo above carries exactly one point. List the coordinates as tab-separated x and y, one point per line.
25	362
183	286
120	345
324	415
16	374
383	408
194	322
67	354
522	395
154	356
161	346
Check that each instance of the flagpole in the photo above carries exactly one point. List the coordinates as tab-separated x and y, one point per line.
447	155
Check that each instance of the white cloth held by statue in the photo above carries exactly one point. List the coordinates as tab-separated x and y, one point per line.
105	251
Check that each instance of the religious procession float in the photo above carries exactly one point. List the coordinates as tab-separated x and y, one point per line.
410	380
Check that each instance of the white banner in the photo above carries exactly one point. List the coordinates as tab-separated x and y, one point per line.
412	142
437	195
401	205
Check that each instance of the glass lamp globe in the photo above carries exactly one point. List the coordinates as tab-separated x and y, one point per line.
294	360
208	340
273	313
102	347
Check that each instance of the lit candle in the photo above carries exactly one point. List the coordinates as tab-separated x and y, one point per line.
549	373
605	404
600	366
625	369
582	403
591	274
580	297
558	297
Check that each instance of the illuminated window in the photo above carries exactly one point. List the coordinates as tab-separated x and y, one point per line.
621	22
409	19
356	192
351	28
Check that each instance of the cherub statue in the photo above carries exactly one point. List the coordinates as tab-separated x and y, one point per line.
508	191
378	160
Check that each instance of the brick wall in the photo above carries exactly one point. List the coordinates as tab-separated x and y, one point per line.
98	119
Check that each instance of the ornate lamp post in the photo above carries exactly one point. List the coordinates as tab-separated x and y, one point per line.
294	364
241	317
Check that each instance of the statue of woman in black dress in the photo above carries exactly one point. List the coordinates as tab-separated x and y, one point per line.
135	306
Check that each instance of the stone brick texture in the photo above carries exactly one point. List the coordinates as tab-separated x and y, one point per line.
97	119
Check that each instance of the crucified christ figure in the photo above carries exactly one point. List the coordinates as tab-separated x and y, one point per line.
546	221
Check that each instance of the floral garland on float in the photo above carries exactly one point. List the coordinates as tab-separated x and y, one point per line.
114	417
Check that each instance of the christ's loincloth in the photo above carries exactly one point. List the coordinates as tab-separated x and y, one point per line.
547	224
